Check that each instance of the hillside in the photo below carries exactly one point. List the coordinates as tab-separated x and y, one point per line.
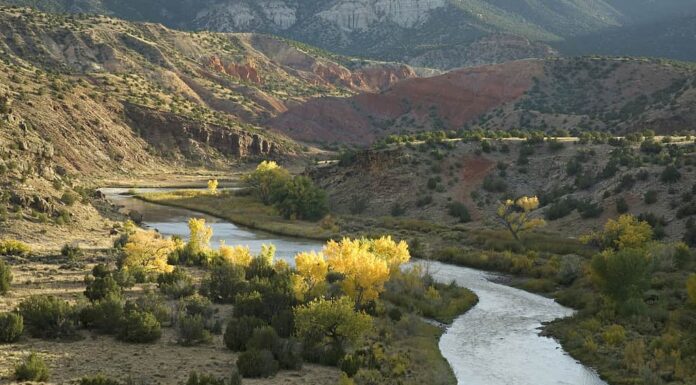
431	33
91	98
579	184
616	95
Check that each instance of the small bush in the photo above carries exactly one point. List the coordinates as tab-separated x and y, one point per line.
14	248
5	277
263	338
104	316
239	331
32	369
192	330
140	327
101	287
650	197
11	327
71	252
459	211
48	317
257	364
621	206
225	281
614	334
206	379
670	174
176	284
98	380
288	352
69	198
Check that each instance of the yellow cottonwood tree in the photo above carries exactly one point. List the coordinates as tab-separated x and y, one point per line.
627	232
514	215
236	255
200	234
149	251
267	177
691	288
395	254
213	186
310	279
365	273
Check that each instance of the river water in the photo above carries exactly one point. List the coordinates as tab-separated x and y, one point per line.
495	343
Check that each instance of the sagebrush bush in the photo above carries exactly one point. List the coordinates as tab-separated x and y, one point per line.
98	380
288	353
5	277
11	327
192	330
239	331
257	364
207	379
263	338
48	317
225	281
139	327
71	252
32	369
104	316
101	287
176	284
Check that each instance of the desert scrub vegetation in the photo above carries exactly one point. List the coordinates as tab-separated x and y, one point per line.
636	321
11	327
14	248
32	369
5	277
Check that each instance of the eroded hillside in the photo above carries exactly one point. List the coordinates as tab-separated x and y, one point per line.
580	185
93	98
616	95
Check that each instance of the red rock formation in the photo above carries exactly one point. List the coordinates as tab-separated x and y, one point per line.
456	97
244	71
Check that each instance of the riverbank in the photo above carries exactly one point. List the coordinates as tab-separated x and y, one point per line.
240	209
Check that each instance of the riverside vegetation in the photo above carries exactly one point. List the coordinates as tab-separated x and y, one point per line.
635	290
351	306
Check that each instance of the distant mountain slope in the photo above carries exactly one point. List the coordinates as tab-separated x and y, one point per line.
617	95
674	38
434	33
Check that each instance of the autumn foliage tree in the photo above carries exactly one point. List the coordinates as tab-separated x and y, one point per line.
266	179
213	186
330	323
147	251
310	277
365	265
515	215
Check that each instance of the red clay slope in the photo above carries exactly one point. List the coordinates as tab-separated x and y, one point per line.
456	97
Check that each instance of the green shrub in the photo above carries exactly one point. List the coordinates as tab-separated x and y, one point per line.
206	379
288	353
459	211
104	316
239	331
151	303
176	284
11	327
192	330
301	199
650	197
621	206
670	174
71	252
32	369
5	277
263	338
15	248
48	317
225	281
101	287
98	380
257	364
69	198
140	327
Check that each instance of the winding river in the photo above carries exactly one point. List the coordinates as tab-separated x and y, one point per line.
496	343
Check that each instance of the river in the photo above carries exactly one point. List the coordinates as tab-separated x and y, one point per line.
495	343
